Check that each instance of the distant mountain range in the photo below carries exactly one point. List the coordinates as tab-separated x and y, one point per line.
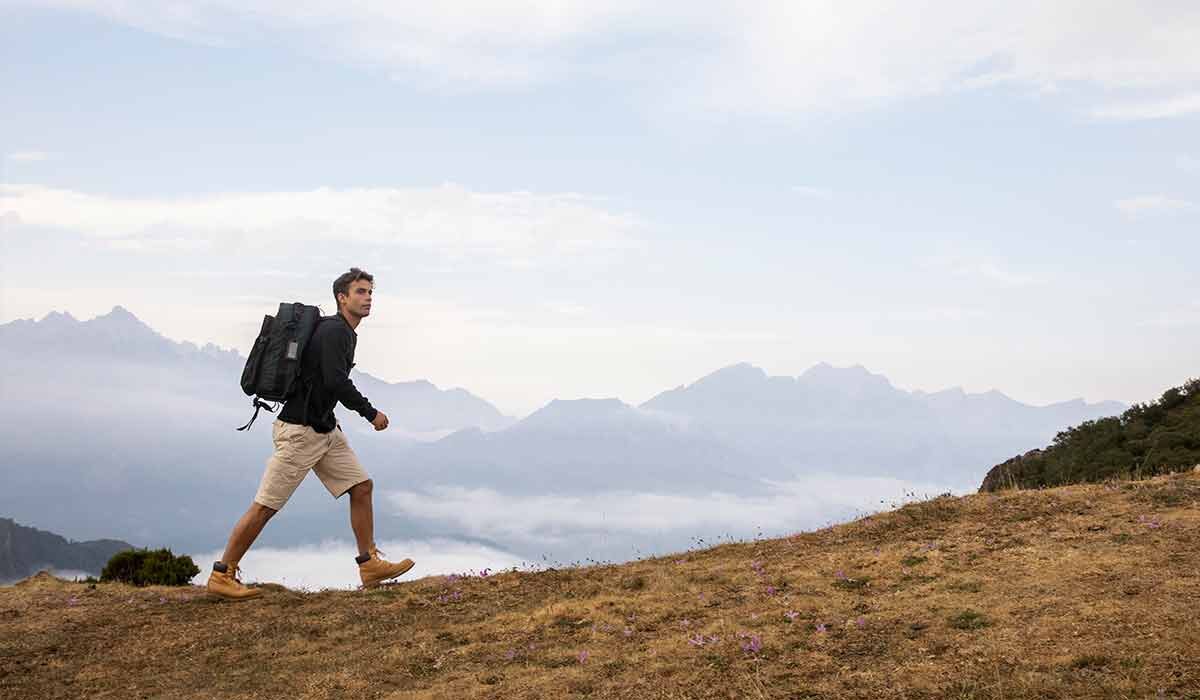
736	427
849	419
129	351
25	550
128	433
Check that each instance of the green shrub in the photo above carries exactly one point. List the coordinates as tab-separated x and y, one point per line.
145	567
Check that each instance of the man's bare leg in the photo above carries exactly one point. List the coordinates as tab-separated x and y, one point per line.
362	516
371	569
246	531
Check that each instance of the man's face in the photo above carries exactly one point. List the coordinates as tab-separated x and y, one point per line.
358	302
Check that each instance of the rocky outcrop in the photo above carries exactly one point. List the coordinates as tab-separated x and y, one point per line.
1009	474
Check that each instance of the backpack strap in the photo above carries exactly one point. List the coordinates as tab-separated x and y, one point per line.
310	379
258	404
307	394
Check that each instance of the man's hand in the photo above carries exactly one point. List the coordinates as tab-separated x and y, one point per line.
381	421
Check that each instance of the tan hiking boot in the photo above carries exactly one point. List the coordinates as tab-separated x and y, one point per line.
375	570
224	582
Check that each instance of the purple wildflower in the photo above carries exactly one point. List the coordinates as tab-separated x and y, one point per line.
791	614
753	644
770	590
821	627
861	622
583	656
510	654
840	575
697	640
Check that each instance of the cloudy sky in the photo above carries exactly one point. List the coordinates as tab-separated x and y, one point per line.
570	199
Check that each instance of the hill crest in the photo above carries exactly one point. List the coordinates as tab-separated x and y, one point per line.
1084	591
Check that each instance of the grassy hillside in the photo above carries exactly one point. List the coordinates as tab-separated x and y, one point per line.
1160	437
1086	591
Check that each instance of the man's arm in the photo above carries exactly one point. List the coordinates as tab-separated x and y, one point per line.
335	376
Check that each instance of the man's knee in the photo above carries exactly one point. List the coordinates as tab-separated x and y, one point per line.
362	489
261	512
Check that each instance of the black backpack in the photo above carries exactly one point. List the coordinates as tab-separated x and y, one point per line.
274	363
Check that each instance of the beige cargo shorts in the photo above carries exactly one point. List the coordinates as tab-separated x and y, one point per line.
299	449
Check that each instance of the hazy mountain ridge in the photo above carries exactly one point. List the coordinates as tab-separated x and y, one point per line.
584	445
824	394
109	411
850	418
27	550
120	338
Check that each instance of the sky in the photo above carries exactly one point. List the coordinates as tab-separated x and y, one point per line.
566	200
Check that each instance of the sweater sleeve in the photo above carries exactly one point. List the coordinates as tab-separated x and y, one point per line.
335	376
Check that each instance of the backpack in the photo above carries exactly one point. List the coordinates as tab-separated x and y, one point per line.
274	363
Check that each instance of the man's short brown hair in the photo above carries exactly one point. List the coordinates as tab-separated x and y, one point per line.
341	285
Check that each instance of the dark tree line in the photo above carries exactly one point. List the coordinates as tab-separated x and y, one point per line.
1159	437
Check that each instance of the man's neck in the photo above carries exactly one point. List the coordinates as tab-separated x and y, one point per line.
350	319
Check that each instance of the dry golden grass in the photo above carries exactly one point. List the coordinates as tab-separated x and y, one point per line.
1079	592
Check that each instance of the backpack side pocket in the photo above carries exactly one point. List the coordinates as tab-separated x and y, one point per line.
253	369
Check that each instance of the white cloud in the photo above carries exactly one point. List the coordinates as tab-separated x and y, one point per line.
28	156
450	219
472	43
1188	163
1162	109
826	55
813	192
933	315
771	58
1180	318
579	523
564	308
975	268
1150	204
331	563
807	502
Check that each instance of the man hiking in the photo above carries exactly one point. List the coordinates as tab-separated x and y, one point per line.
307	437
